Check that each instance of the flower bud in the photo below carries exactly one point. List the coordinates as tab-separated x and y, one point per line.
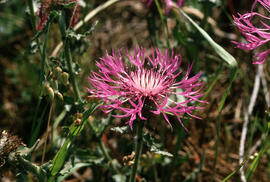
78	122
45	87
64	78
60	96
50	93
57	72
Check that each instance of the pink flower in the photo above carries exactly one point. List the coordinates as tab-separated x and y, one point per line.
145	84
256	35
49	5
168	4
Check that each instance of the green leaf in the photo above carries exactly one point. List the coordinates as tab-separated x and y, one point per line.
121	130
227	57
73	35
74	130
154	146
69	167
99	125
255	162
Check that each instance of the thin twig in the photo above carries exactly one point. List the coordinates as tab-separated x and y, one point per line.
254	92
264	84
245	124
267	100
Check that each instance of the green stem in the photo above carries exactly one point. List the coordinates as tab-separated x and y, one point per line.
68	57
164	24
47	133
104	151
41	77
103	148
71	71
138	151
107	156
32	15
235	171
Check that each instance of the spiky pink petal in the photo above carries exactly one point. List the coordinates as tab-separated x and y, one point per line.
145	83
256	35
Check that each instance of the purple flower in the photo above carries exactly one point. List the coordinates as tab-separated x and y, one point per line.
256	35
145	84
168	4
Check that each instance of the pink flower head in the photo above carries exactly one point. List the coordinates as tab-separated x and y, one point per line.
49	5
145	83
256	35
168	4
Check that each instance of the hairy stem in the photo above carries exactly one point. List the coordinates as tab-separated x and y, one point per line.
138	151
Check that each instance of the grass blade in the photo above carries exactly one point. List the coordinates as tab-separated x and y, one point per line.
227	57
74	131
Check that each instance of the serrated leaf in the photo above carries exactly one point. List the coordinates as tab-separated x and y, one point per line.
73	35
163	153
121	130
69	167
99	125
154	146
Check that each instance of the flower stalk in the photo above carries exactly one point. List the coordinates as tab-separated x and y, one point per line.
68	57
164	24
32	14
107	156
138	150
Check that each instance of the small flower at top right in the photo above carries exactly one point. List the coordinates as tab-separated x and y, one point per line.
256	29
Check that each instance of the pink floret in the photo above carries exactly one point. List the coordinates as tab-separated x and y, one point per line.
145	83
256	35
